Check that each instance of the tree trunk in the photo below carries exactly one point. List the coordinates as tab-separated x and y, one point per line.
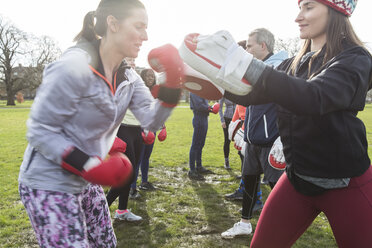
10	99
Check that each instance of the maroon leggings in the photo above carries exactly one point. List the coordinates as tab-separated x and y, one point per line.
287	214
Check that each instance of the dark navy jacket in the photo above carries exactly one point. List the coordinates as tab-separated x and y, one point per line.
260	120
199	105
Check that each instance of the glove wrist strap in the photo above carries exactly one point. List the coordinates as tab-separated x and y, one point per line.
74	160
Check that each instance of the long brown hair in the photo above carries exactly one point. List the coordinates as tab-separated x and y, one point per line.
120	9
338	31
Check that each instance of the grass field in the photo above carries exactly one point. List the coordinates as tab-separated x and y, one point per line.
181	213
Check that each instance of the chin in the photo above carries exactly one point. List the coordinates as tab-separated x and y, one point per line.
303	36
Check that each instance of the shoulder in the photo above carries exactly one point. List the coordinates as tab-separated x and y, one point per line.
72	66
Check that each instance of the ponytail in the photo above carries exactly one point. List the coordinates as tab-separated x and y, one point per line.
95	22
87	31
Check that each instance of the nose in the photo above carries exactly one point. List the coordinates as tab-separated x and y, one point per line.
299	17
144	36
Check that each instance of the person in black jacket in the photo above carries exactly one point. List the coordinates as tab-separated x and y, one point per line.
319	92
260	132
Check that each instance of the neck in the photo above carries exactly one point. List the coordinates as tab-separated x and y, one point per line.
318	43
264	55
110	58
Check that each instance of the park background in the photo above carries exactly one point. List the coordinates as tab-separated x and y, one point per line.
180	213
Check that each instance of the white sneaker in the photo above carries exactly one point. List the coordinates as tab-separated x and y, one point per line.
237	230
128	216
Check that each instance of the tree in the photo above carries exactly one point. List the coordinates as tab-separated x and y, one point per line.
291	45
10	42
17	47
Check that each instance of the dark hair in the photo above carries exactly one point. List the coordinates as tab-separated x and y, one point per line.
243	44
338	30
120	9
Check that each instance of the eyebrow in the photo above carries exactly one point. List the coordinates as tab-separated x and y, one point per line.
307	3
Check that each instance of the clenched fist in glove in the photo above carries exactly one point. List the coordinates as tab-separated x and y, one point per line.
214	108
234	126
219	58
114	172
166	59
239	139
148	137
118	146
162	134
276	156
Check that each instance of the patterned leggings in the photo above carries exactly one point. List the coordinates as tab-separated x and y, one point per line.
69	220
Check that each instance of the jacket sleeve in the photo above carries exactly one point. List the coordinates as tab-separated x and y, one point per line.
147	110
236	115
341	86
220	111
199	104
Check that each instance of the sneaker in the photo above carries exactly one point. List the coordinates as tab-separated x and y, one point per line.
194	175
146	186
133	194
227	166
237	230
203	170
237	195
127	215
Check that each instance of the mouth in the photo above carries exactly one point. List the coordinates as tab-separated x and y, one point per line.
302	26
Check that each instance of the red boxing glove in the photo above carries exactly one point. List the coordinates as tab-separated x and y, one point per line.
118	146
148	137
166	59
163	134
114	172
214	108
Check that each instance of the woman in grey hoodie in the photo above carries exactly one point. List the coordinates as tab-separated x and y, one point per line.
73	122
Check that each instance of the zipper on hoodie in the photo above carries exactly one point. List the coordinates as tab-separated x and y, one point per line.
265	126
249	120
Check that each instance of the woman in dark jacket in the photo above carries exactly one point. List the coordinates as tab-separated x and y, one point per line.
320	92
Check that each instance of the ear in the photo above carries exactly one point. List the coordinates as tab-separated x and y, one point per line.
112	24
263	45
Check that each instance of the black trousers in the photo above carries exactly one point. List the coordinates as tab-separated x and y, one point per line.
132	136
226	144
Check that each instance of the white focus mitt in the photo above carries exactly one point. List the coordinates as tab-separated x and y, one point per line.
276	156
200	85
219	58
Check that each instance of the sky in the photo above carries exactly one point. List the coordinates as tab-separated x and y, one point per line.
171	20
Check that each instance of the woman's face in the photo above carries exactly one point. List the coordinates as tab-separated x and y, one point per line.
149	78
312	20
129	33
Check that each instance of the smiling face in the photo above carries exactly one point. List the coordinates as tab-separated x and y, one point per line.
129	33
312	21
149	78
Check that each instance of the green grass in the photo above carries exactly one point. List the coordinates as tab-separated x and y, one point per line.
181	213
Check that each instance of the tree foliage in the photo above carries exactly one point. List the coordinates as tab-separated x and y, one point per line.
291	45
17	48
